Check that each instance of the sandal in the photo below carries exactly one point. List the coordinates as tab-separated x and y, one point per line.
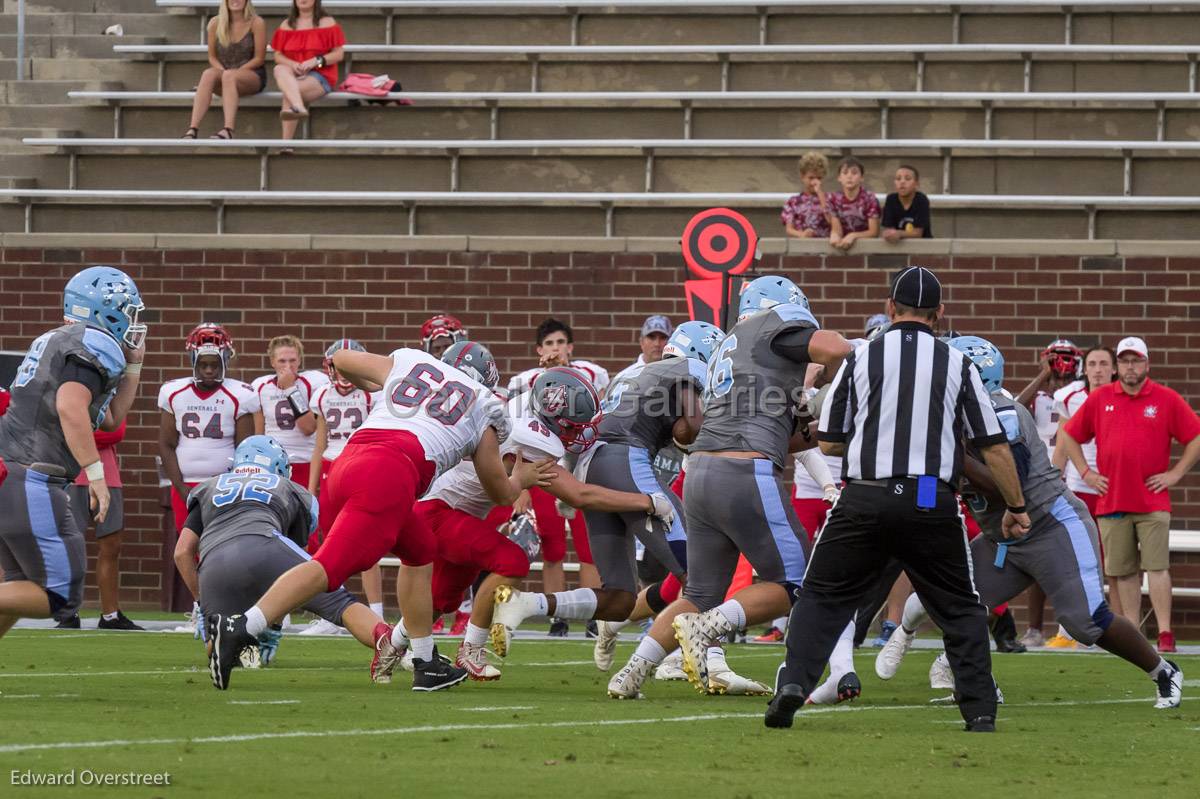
293	113
223	133
191	133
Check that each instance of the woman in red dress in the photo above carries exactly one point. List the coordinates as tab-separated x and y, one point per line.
308	47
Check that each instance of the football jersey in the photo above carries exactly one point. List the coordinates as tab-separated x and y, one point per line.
251	502
806	487
1067	400
30	431
343	414
1046	419
206	422
460	487
643	406
597	374
753	393
279	420
442	406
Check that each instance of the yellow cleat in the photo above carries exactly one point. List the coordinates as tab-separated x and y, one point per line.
1061	641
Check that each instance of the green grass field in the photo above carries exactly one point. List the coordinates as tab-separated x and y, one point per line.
313	725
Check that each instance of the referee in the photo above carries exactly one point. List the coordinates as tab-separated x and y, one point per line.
898	411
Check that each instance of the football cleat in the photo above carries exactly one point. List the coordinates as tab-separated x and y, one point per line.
559	628
323	627
437	674
671	668
771	636
474	659
940	675
849	687
694	632
512	608
727	681
229	637
439	626
981	724
1033	637
832	692
386	657
121	622
70	623
887	662
1170	688
1060	641
627	683
606	645
885	633
1004	633
783	706
460	622
250	658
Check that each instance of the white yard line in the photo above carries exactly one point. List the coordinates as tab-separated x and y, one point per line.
264	701
38	696
493	709
193	670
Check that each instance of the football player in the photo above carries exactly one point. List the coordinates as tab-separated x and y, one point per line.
285	403
74	379
441	331
1060	552
432	417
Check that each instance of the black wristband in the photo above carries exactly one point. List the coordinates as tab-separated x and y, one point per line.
1015	509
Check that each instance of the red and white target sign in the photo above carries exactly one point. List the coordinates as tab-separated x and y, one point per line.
719	242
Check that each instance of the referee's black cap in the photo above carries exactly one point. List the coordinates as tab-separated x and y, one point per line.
917	287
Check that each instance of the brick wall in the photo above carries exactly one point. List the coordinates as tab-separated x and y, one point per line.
380	298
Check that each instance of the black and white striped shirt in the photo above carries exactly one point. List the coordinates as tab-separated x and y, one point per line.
902	405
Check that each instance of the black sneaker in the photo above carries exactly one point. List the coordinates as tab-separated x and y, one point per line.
981	724
591	630
121	622
783	706
559	627
849	687
70	623
229	637
436	674
1004	633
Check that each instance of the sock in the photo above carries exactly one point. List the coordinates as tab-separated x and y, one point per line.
577	604
733	611
617	626
423	648
780	623
541	606
400	635
650	650
1163	666
825	693
841	660
466	605
377	609
716	659
112	616
476	636
914	614
256	622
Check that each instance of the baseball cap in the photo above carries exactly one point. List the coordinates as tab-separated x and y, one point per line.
917	287
657	324
1133	344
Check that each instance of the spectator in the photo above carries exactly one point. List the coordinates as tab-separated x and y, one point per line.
855	210
906	210
806	215
108	534
1133	421
655	332
308	48
237	51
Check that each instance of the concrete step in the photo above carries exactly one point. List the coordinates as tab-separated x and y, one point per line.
170	26
107	69
48	92
88	121
14	182
71	46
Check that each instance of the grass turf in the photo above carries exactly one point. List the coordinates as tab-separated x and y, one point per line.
1074	725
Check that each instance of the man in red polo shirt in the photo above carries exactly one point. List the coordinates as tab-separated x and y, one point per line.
1133	421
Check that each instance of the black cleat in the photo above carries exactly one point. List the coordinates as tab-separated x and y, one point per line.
783	706
559	628
1004	633
436	674
981	724
69	623
121	622
591	631
229	637
849	687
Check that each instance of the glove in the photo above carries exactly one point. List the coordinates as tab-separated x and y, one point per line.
268	645
832	494
200	623
297	400
664	511
564	510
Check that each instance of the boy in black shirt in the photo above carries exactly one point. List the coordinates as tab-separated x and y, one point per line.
906	210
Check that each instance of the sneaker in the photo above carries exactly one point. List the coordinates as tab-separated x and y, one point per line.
627	683
121	622
323	627
268	645
229	637
590	630
559	628
1170	688
671	668
69	623
512	608
383	663
1166	641
439	626
724	680
1060	641
1033	637
460	623
887	662
885	634
783	706
771	636
1004	633
694	632
606	645
940	674
981	724
437	674
474	659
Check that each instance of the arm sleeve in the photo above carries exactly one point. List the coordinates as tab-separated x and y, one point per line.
195	522
980	424
76	371
793	344
814	463
836	411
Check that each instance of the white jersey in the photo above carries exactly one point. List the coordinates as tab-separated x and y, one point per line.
442	406
1067	400
806	487
460	487
279	420
343	414
593	372
1046	418
206	422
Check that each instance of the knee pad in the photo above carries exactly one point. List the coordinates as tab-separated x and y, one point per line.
793	591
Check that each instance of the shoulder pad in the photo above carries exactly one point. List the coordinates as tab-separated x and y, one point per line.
789	312
105	351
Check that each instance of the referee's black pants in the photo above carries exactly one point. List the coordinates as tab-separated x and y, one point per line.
868	527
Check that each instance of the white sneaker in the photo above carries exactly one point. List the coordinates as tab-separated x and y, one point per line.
1033	638
694	632
606	645
323	627
627	683
512	608
724	680
474	659
887	662
940	675
1170	688
671	668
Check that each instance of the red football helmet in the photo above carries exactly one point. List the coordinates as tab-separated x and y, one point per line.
209	338
1063	358
442	325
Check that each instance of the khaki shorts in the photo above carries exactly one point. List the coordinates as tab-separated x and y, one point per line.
1126	535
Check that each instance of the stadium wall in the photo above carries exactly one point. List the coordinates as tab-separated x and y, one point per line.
1021	295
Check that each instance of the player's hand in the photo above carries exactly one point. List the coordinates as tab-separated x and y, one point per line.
138	354
523	504
553	359
661	508
98	499
536	473
200	622
564	510
832	494
1015	525
1162	481
1099	483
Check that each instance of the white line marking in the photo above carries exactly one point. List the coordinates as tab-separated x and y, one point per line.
491	709
559	663
192	670
1191	683
37	696
264	701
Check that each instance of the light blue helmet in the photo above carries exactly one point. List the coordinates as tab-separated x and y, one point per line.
106	299
697	340
985	356
767	292
265	453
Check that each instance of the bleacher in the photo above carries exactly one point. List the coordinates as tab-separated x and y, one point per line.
620	118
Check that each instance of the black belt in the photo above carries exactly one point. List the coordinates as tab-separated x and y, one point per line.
891	481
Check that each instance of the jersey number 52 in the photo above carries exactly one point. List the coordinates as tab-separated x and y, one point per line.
254	487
